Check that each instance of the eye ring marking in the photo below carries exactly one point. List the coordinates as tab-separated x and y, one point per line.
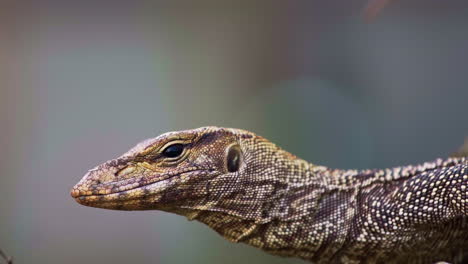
173	151
233	158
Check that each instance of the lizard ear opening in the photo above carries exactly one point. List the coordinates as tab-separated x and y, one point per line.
233	158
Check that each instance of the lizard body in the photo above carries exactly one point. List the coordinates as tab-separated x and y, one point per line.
249	190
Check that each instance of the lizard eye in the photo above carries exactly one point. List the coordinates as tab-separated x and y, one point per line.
173	151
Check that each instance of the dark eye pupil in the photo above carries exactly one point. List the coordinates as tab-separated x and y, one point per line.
173	150
233	158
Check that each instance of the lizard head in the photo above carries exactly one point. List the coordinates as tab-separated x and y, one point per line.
185	172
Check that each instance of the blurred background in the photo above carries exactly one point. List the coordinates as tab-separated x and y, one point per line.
83	81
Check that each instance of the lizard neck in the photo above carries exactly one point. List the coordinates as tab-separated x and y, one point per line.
304	217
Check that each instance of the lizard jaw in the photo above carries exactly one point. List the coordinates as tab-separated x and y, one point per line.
130	199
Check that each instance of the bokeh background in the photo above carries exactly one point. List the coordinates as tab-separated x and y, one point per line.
83	81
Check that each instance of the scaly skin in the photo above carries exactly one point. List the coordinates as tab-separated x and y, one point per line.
287	206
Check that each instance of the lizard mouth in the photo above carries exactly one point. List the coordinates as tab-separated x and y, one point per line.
88	194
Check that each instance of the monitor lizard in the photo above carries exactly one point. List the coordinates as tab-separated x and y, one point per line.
251	191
